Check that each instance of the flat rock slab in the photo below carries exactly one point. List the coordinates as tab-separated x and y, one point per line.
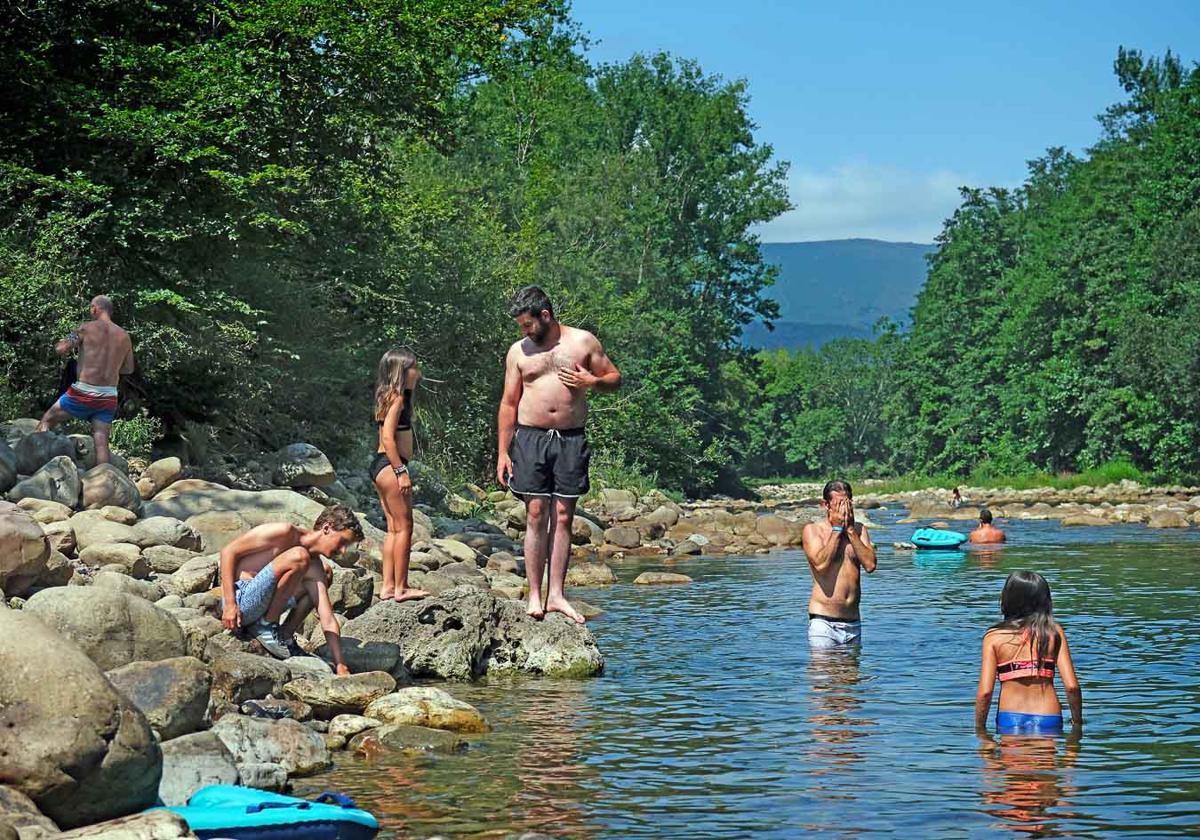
332	696
400	737
288	743
650	578
465	633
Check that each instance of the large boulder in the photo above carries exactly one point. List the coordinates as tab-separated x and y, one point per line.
219	514
119	582
194	577
171	693
590	574
69	740
342	695
289	743
191	762
8	467
351	590
45	512
465	632
24	550
92	528
779	531
1167	519
35	450
167	559
126	557
238	677
303	465
112	628
105	484
160	475
56	481
427	706
166	530
623	536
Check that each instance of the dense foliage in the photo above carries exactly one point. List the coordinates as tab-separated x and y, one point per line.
273	192
1057	329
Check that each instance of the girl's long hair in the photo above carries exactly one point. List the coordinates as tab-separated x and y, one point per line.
1027	609
391	378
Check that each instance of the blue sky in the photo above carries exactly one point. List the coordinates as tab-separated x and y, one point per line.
885	109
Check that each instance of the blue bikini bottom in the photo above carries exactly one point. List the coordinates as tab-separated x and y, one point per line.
1019	723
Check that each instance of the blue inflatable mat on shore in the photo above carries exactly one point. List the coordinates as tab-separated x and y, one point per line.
240	813
937	538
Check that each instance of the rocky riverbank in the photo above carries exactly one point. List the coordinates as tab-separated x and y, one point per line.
114	569
1123	502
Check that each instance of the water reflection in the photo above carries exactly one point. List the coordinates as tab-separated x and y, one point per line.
836	722
547	763
1025	786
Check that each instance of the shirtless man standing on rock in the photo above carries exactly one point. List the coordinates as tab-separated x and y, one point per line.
543	452
836	547
105	354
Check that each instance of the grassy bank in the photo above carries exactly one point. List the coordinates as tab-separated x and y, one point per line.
1105	474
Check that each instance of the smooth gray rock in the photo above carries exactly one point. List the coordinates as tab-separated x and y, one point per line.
191	762
106	484
171	693
291	744
56	481
24	549
34	451
70	741
112	628
303	465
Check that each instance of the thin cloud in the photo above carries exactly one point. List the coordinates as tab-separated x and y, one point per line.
868	201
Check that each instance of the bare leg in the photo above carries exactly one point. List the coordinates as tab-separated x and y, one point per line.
289	571
316	585
100	436
397	546
537	539
388	590
53	416
295	619
560	558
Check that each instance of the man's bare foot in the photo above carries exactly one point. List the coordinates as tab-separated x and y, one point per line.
561	605
343	671
409	594
534	609
387	594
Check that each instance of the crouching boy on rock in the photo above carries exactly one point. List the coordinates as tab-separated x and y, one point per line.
277	565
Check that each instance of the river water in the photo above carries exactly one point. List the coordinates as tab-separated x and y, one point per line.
713	718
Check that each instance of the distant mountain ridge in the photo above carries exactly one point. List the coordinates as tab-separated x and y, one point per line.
839	287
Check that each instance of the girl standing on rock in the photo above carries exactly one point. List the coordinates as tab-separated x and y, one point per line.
394	385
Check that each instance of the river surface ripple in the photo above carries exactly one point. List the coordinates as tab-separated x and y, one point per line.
713	718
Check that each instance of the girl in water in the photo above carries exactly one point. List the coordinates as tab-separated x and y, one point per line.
394	385
1024	650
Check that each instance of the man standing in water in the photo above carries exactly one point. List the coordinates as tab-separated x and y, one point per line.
543	452
836	547
986	533
105	354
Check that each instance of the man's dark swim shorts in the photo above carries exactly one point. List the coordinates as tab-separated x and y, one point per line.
549	462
